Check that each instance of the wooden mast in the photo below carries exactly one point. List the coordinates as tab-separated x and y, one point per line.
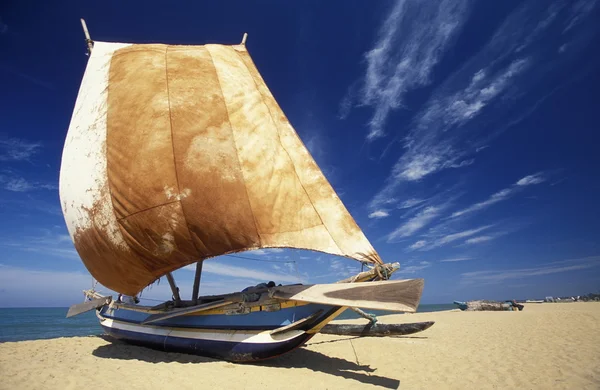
174	289
197	282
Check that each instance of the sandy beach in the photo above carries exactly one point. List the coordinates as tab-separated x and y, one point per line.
546	346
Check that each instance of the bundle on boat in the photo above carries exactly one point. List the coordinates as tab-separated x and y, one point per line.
484	305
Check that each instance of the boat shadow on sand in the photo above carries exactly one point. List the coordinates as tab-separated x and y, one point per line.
300	358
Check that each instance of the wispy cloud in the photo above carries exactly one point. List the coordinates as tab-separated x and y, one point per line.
417	245
480	239
578	12
19	184
409	203
49	243
266	251
490	277
379	214
411	269
254	273
447	239
14	149
431	147
410	43
477	101
503	194
455	259
415	224
532	179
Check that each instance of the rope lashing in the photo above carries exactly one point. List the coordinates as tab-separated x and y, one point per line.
370	317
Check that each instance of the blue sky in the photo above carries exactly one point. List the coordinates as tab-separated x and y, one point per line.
462	136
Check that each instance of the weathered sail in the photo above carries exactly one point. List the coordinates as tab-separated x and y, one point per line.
180	153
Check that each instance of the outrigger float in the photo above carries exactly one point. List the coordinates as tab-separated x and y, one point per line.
177	154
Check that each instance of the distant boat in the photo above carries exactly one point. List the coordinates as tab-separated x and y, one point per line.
534	301
176	154
483	305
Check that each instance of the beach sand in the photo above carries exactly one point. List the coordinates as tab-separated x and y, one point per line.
546	346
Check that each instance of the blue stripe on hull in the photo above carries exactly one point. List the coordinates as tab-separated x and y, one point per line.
261	320
232	351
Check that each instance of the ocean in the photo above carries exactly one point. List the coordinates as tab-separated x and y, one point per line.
50	322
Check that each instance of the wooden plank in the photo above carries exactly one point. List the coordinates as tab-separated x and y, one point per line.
297	324
87	306
376	330
392	295
185	310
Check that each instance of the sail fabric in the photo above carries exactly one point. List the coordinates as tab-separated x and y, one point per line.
176	154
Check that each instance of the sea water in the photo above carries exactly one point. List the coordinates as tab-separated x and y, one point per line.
50	322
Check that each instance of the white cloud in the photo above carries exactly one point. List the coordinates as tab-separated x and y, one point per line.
500	276
457	236
447	239
411	269
455	259
407	204
430	145
531	179
379	214
266	251
12	182
579	11
461	114
411	42
503	194
48	243
14	149
255	274
480	239
418	244
415	223
495	198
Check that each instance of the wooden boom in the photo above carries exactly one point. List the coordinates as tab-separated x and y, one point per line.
393	295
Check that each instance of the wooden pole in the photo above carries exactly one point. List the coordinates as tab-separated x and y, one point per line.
197	282
88	40
244	38
174	288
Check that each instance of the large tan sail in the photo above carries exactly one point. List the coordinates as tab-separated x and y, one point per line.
181	153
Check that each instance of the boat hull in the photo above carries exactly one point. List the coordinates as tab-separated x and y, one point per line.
234	340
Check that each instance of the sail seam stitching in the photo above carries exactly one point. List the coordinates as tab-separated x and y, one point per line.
146	209
173	149
236	148
288	154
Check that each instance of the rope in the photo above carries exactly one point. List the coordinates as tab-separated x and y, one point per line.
370	317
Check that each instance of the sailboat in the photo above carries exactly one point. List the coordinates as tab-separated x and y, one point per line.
176	154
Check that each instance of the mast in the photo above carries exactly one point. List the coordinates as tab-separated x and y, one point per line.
174	289
88	40
197	282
